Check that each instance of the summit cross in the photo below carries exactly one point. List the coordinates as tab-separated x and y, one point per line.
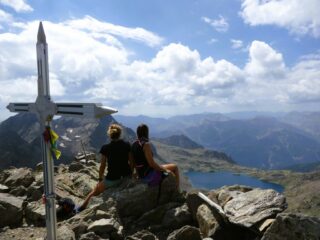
45	109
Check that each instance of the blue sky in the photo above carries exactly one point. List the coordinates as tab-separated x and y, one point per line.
163	58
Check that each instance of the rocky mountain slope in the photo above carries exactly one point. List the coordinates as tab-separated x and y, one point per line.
131	210
20	138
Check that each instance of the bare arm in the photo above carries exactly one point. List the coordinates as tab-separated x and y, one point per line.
102	166
148	153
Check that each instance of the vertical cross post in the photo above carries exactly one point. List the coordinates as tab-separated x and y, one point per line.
45	110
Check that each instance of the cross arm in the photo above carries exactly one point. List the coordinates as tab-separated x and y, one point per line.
21	107
83	109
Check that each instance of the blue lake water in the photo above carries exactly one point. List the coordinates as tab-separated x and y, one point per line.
213	180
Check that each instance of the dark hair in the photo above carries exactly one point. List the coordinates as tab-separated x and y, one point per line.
143	131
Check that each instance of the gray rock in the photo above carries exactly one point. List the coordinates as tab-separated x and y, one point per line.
185	233
207	223
106	227
80	222
79	228
142	235
35	214
293	227
265	224
76	167
90	236
34	193
39	167
135	198
20	176
4	174
249	208
193	202
4	189
10	210
177	217
227	193
65	233
155	216
18	191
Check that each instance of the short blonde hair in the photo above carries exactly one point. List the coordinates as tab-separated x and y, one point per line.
114	131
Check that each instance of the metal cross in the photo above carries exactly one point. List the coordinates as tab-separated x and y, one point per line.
45	109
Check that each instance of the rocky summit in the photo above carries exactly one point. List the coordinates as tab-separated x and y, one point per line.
133	210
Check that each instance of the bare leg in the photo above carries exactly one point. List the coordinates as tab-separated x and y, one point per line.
174	169
95	192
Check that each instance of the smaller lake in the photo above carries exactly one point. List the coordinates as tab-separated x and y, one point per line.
213	180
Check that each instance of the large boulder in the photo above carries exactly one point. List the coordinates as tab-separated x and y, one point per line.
107	228
177	217
65	233
227	193
207	223
11	211
20	176
293	227
35	214
193	201
155	216
81	222
134	198
249	208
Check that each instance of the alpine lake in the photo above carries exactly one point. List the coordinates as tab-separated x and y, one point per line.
214	180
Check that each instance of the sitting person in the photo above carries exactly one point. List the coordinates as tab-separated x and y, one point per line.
147	169
66	209
117	154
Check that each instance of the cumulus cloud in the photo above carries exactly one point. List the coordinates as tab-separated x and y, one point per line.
17	5
77	58
305	81
264	63
270	84
175	76
221	24
93	65
299	17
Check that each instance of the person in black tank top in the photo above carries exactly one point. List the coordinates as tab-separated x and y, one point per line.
143	157
117	154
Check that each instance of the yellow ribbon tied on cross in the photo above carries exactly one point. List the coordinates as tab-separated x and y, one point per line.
53	140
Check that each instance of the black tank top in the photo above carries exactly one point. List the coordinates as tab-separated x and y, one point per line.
140	159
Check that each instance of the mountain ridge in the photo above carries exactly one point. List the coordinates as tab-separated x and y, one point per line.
259	141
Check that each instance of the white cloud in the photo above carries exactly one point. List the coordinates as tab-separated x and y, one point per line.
236	43
221	24
93	65
305	81
265	63
298	16
24	90
104	28
5	17
17	5
176	76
